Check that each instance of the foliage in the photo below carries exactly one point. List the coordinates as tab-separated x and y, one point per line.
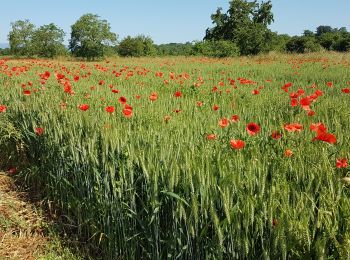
218	49
245	23
136	46
20	37
47	41
90	37
175	49
303	45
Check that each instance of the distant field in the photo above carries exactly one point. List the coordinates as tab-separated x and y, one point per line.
189	158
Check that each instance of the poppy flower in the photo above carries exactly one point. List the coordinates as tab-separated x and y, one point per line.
237	144
305	103
26	92
39	131
342	163
235	118
318	128
326	137
199	103
215	107
3	108
110	109
177	94
137	96
115	91
122	100
276	135
288	153
211	136
346	90
76	78
330	84
311	113
255	92
293	102
253	128
223	122
127	112
153	97
84	107
294	127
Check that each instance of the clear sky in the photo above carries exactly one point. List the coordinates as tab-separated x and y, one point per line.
168	21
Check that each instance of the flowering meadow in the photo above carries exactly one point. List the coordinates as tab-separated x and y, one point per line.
188	158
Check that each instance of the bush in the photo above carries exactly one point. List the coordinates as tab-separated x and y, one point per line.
303	45
218	49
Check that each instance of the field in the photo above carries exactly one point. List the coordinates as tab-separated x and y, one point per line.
187	158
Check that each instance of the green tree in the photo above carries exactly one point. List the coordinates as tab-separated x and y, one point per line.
303	44
245	23
91	37
48	41
20	37
137	46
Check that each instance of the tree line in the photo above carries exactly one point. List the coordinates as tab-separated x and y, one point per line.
241	30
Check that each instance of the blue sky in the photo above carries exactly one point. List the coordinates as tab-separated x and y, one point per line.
169	21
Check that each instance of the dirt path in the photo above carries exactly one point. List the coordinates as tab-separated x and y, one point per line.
24	235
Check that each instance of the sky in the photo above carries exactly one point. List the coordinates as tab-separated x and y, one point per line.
168	21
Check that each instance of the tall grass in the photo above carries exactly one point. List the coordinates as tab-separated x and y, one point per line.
143	187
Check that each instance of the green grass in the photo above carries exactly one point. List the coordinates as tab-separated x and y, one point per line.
142	187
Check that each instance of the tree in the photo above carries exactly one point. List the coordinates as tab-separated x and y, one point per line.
91	37
20	37
48	41
245	23
136	46
323	29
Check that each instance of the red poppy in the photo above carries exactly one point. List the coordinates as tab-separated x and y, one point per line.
288	153
305	103
237	144
215	107
3	108
346	90
253	128
255	92
342	163
153	97
235	118
127	112
115	91
318	128
294	127
177	94
293	102
311	113
211	136
223	122
326	137
122	100
137	96
39	131
276	135
199	103
84	107
26	92
110	109
330	84
76	78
